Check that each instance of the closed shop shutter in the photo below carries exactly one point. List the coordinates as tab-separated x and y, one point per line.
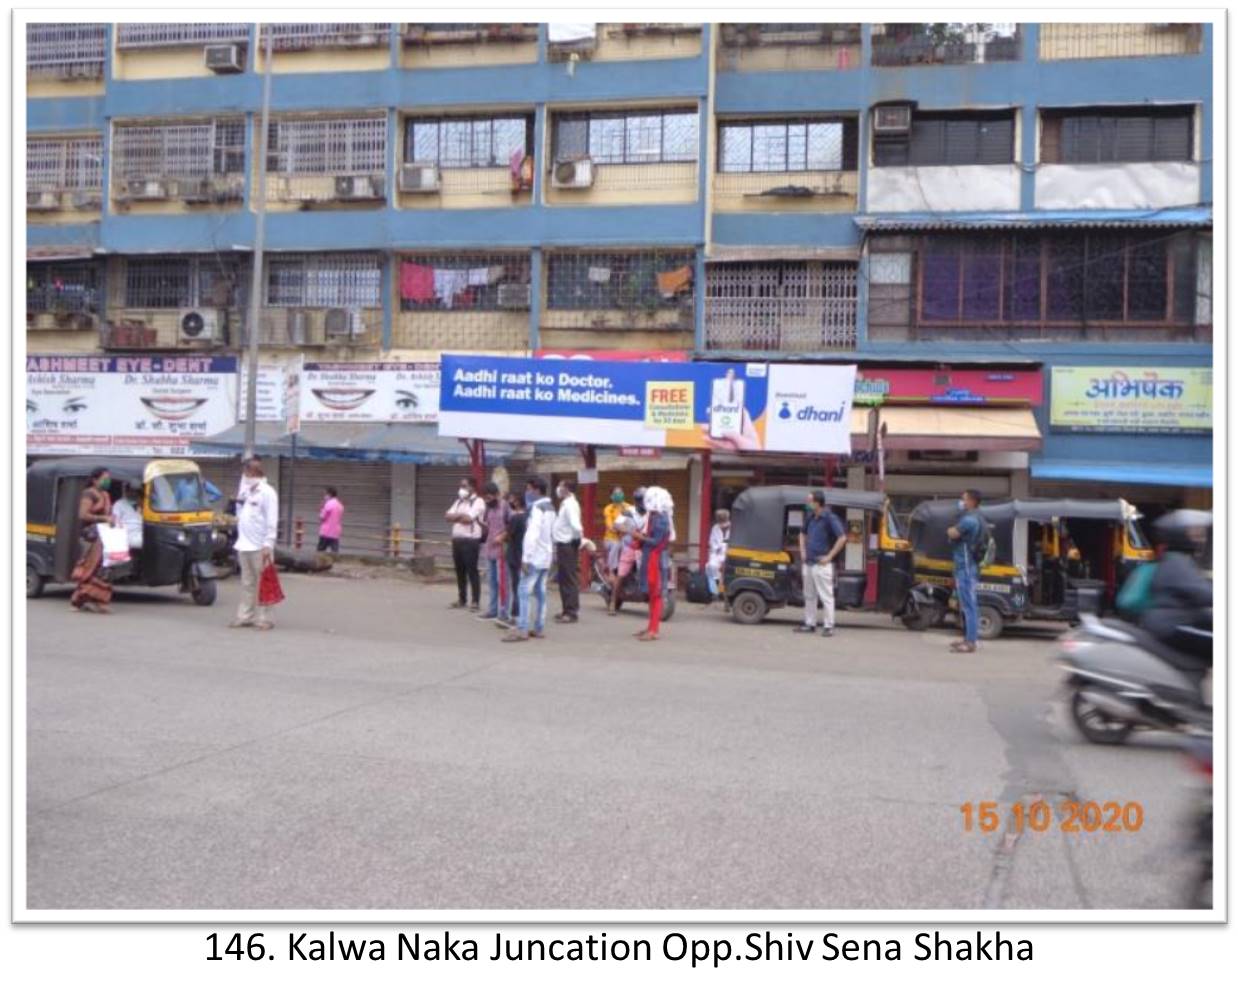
436	490
365	490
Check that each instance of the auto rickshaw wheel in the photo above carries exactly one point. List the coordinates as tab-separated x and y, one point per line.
989	625
749	608
34	582
204	592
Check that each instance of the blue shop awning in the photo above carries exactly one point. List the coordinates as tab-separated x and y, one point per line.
1199	216
1181	475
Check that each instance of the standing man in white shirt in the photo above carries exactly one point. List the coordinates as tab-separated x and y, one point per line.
537	551
466	515
567	534
257	518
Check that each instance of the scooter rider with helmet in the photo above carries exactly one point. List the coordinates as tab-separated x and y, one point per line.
1180	596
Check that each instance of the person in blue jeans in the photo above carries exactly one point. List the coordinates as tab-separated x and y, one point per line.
537	552
964	536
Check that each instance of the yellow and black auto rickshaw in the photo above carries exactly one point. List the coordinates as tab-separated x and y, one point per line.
177	529
1056	558
762	570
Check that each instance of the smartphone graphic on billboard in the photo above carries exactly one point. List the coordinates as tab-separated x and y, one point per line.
726	406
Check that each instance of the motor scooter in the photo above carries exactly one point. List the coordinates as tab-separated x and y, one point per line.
1121	679
1199	887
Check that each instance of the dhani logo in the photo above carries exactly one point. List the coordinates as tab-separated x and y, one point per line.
811	413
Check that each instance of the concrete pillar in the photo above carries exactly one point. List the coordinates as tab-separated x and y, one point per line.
1020	487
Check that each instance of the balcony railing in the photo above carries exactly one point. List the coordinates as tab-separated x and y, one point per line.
65	51
467	34
303	37
781	306
917	45
139	36
1118	41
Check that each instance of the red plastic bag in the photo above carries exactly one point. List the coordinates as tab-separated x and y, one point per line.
269	590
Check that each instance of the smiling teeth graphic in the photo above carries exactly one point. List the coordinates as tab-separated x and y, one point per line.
342	399
173	409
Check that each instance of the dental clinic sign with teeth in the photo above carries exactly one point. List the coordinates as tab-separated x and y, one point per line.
135	405
369	392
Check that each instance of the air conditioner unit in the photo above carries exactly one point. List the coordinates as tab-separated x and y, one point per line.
42	200
225	58
146	190
419	178
892	119
336	324
359	188
200	326
226	188
195	191
514	296
86	200
572	174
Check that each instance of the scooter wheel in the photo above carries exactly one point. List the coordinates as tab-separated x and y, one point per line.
1094	725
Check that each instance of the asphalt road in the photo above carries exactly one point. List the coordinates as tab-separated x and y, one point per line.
379	751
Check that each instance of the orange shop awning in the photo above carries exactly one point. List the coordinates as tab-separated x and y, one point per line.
942	428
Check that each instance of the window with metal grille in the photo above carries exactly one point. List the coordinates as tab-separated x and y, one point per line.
65	50
955	138
944	44
787	146
184	282
181	151
605	281
64	163
290	37
1067	279
1117	135
172	35
327	146
780	305
329	280
465	282
627	136
57	287
467	143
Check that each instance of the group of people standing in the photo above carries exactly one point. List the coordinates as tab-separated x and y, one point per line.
520	536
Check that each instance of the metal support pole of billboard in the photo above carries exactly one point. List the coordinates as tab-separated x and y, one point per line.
255	288
292	483
588	504
707	514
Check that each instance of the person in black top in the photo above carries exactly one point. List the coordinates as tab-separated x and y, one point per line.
513	545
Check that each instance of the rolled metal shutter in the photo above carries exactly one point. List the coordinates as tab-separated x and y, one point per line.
365	490
436	490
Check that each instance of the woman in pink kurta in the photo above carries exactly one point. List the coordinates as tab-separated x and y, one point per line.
330	521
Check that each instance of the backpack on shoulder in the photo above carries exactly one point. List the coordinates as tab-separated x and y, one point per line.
984	549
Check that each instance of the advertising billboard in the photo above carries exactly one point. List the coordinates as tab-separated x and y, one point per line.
1132	399
369	392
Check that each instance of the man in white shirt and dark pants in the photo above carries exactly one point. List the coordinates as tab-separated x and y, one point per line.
466	515
567	534
257	518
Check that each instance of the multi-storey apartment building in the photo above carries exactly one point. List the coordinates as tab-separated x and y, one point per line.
1008	227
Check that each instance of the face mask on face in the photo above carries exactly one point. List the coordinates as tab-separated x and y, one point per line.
463	492
530	498
104	483
962	505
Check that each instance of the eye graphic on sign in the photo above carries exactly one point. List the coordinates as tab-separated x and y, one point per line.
342	399
32	407
75	405
406	401
173	409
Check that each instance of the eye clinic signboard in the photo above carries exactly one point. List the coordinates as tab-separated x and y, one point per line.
127	405
369	392
724	406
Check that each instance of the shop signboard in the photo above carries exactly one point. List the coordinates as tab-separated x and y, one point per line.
127	405
724	406
369	392
272	386
1132	399
882	385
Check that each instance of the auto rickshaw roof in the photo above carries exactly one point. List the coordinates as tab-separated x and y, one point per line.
757	514
1031	509
127	470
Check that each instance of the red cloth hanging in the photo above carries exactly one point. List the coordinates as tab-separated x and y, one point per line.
416	283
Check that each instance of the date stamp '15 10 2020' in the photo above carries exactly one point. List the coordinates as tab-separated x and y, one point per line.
1071	816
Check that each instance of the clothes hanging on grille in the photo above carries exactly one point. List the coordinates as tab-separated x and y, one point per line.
416	283
449	283
599	274
674	281
479	277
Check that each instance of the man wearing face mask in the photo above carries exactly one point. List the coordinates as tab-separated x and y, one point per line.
567	534
257	519
497	515
821	543
466	515
964	537
536	553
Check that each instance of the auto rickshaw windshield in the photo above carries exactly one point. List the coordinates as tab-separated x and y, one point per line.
1135	535
177	493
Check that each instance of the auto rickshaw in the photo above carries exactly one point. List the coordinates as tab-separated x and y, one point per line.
762	571
1056	558
177	531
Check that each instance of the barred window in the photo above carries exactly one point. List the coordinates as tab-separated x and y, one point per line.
184	282
627	136
618	281
64	163
182	151
291	37
340	280
465	282
955	138
65	50
787	146
1118	135
171	35
467	143
327	146
54	287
